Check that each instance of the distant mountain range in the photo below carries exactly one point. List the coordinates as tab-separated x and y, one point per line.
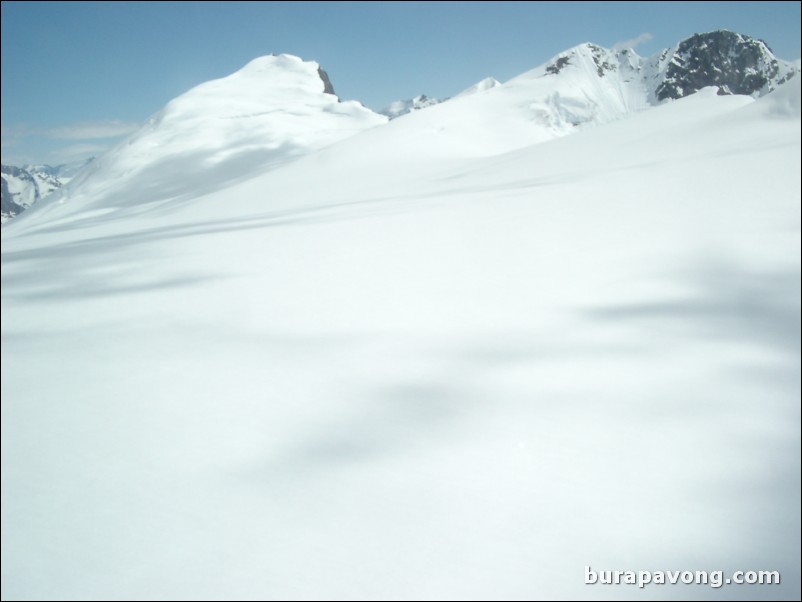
402	107
26	185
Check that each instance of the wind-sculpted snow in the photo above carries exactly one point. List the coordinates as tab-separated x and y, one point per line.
272	111
449	357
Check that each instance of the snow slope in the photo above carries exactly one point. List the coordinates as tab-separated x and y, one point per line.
417	364
271	111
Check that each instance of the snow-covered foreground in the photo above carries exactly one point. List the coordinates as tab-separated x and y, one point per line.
402	370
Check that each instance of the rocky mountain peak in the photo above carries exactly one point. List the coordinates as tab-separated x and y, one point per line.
327	87
736	63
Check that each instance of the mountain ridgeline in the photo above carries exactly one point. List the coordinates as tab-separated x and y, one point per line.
735	63
279	107
29	184
732	62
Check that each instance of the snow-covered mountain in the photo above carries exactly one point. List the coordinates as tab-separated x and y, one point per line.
276	347
26	185
735	63
21	189
272	111
402	107
589	85
732	62
626	82
279	107
480	86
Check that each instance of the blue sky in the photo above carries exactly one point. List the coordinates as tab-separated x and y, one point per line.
77	76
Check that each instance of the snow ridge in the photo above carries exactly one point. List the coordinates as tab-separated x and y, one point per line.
272	111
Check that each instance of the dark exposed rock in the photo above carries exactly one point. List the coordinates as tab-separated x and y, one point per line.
7	205
327	87
737	64
600	61
557	65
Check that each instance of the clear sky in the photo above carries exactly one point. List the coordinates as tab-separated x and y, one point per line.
76	76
